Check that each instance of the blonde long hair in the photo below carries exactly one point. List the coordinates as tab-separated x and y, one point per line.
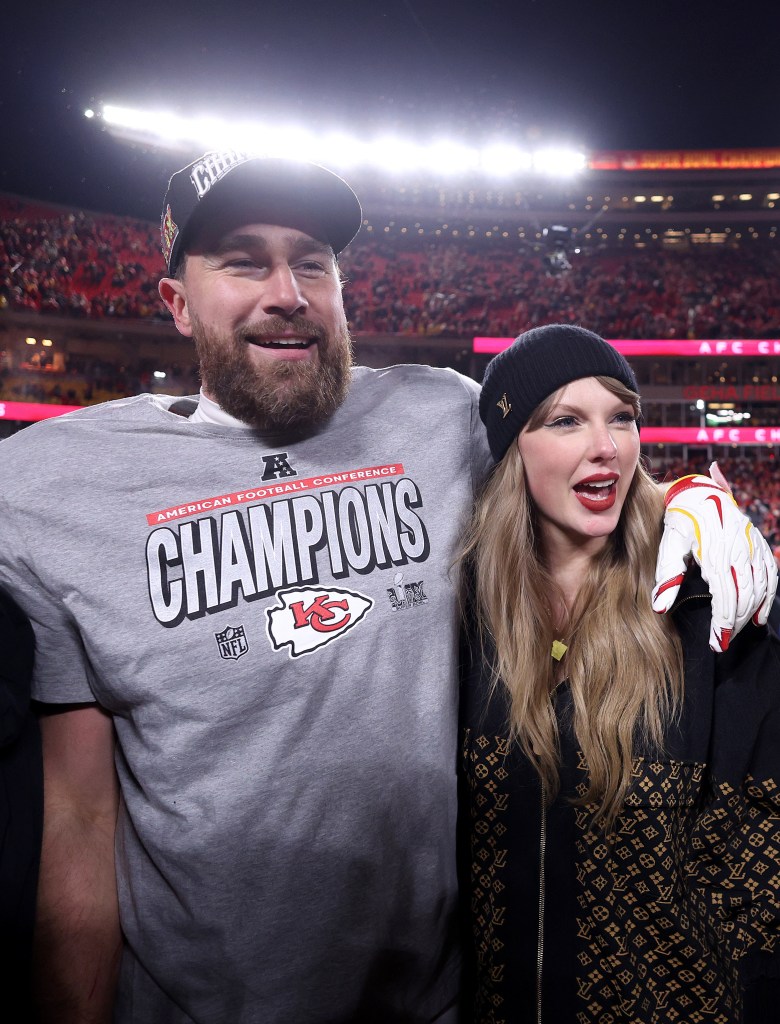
623	663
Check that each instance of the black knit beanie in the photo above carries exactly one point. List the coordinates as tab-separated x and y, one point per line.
534	366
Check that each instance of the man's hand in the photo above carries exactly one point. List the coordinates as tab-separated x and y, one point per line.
703	522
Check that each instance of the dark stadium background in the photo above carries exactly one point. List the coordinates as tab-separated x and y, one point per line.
607	75
604	76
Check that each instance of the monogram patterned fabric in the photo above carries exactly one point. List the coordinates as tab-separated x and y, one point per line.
666	904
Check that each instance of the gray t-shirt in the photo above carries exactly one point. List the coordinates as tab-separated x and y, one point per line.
272	625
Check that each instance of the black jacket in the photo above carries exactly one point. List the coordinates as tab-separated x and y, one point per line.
675	915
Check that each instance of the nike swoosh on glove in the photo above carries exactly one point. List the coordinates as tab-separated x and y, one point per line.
702	521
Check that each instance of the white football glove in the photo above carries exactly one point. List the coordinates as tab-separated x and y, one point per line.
703	522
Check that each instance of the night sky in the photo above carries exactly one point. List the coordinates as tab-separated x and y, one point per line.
667	74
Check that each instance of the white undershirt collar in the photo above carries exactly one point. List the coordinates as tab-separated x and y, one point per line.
209	412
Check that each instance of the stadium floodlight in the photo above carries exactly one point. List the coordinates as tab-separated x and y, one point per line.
445	156
393	154
125	117
502	159
150	125
337	149
213	133
291	140
389	153
559	162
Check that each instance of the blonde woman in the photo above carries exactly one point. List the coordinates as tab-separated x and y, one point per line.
620	782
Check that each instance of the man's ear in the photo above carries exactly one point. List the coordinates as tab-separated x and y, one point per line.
173	294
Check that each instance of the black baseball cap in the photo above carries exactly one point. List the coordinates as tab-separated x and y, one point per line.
292	193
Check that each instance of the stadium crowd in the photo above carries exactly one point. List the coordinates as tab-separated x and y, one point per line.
462	290
77	264
86	265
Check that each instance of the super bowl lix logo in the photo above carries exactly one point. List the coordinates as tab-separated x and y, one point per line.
307	618
406	595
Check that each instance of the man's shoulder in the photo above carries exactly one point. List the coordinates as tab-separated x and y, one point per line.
61	437
433	380
136	407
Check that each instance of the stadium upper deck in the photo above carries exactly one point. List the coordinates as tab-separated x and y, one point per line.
676	199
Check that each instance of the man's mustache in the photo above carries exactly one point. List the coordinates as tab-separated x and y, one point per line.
279	325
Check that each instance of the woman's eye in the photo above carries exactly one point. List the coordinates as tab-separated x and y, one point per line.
562	421
625	417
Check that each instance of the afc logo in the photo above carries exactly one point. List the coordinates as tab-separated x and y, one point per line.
307	618
276	466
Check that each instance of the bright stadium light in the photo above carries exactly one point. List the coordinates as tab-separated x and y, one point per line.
291	140
252	136
124	117
337	149
559	162
389	153
214	133
445	156
162	126
393	154
503	159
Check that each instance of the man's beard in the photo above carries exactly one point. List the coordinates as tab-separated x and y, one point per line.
275	394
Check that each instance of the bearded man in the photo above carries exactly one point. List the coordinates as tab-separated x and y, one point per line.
247	644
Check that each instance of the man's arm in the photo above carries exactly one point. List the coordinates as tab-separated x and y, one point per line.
77	937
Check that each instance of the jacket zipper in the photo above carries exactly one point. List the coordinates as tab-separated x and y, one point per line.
540	932
684	600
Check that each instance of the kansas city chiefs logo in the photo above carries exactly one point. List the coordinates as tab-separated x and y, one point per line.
310	617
